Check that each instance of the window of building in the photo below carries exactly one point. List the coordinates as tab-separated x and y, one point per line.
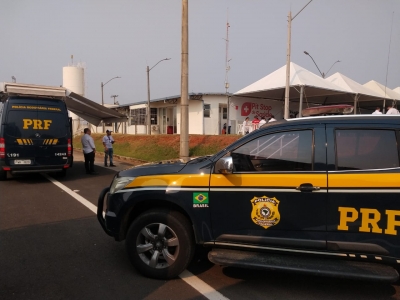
224	113
153	116
366	149
285	151
138	116
207	110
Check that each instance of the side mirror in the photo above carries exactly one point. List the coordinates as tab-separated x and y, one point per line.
224	165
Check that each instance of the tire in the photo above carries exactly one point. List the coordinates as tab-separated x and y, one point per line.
160	243
3	175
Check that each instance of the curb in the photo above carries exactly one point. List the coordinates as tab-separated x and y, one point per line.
101	153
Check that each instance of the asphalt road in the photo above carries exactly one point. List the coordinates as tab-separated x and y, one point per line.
52	247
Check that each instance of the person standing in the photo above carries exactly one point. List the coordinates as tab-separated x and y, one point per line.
246	126
262	122
377	111
255	122
272	119
108	142
89	150
392	111
223	131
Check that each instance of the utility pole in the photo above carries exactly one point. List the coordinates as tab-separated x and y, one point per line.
102	97
227	68
114	96
184	137
148	111
290	19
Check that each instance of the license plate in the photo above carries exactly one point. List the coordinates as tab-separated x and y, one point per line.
22	161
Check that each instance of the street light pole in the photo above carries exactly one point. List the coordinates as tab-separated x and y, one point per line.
148	119
331	67
102	97
290	19
322	74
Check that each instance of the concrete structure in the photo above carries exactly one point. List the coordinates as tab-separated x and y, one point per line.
207	115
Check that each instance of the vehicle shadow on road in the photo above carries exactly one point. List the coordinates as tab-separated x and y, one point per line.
312	287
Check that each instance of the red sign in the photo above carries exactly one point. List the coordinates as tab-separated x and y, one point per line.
259	110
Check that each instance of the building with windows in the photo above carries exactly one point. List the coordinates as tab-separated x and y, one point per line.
208	113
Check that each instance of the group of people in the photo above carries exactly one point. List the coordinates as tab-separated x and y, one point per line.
249	126
89	150
390	111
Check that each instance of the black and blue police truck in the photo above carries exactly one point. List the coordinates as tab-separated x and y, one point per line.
35	130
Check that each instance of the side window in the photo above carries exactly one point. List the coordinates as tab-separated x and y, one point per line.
207	110
285	151
366	149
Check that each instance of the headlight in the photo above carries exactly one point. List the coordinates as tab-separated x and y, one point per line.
119	183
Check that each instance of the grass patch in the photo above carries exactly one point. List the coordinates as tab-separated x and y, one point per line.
161	147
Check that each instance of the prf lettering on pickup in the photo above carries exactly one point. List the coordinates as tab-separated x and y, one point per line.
369	219
37	124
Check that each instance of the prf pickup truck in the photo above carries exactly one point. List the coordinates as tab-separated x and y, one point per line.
316	195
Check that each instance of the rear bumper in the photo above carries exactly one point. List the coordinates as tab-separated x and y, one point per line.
24	169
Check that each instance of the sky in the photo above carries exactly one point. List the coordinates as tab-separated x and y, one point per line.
123	37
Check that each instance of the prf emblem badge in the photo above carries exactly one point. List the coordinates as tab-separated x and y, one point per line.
265	211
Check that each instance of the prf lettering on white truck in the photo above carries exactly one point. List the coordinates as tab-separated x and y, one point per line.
36	124
369	220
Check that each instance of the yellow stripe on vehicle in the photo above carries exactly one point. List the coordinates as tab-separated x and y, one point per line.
360	180
19	141
55	141
199	180
268	180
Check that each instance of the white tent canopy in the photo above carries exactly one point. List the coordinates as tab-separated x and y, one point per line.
397	90
273	85
383	91
336	89
353	87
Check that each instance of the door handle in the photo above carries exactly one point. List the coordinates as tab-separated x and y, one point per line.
307	187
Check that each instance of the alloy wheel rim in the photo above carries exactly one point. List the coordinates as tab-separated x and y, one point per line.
157	245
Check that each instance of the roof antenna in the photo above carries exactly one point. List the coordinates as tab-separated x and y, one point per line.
387	67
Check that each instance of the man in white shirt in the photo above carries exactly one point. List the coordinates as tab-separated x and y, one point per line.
246	128
89	150
377	111
262	122
108	141
272	119
391	110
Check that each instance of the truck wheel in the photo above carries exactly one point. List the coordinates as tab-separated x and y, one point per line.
160	243
3	175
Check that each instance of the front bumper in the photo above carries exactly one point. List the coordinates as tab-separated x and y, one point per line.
100	205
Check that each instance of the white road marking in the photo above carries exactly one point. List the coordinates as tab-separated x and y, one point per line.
202	287
78	197
192	280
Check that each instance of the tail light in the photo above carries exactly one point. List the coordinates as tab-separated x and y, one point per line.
69	150
2	148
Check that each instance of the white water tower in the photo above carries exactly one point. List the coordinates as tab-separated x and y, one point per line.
74	80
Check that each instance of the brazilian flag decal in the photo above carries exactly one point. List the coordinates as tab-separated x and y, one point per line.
200	198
